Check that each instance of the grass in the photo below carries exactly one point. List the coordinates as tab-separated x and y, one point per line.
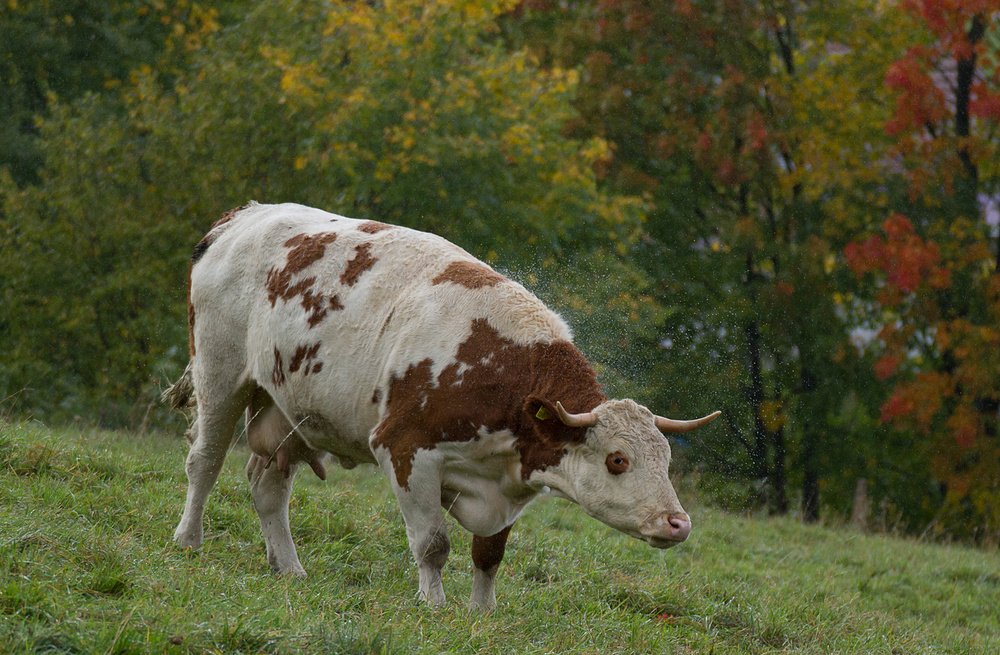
86	566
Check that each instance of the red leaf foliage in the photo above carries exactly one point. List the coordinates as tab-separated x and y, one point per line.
902	256
984	104
925	75
964	426
920	100
949	20
886	366
913	405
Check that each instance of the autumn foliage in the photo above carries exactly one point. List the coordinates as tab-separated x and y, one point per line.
939	292
786	211
906	260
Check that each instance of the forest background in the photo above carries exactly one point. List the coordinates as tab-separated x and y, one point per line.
785	210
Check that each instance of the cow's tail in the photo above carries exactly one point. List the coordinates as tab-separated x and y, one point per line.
181	396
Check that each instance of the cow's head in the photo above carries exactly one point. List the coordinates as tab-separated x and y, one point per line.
618	472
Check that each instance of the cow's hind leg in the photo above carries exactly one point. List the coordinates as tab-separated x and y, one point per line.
219	408
487	552
271	483
271	491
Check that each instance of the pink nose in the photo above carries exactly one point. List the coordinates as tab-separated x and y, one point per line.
666	531
680	526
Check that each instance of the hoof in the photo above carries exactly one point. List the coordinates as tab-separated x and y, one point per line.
188	541
481	606
295	572
286	569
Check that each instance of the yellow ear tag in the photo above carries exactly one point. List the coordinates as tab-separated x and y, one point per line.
542	415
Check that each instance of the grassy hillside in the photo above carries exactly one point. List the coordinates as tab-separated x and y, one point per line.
86	567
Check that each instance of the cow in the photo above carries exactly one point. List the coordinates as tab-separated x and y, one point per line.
356	341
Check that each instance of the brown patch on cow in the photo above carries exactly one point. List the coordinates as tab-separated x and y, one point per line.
335	304
190	314
487	552
313	303
376	396
501	387
303	359
471	275
228	216
305	250
201	248
362	262
278	371
279	285
374	227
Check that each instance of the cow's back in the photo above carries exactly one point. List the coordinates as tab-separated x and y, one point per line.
328	310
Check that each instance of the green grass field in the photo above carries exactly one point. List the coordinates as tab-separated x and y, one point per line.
87	567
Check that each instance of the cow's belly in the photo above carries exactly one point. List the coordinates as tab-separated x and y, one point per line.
326	417
322	433
321	380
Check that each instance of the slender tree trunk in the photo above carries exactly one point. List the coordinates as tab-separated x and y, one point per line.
778	482
965	75
810	476
755	397
811	440
967	186
755	392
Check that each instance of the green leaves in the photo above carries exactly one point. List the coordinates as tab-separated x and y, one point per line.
764	139
935	270
778	210
409	112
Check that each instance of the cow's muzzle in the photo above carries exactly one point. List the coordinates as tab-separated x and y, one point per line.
666	530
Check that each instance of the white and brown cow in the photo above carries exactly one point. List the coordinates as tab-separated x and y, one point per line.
380	344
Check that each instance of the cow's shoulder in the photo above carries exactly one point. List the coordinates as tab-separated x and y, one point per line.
485	386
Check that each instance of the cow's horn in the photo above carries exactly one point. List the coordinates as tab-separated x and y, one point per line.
585	420
671	425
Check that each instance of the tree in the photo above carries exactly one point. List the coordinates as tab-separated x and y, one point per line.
931	270
408	111
731	120
67	48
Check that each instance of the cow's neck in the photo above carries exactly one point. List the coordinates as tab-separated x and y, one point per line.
556	480
559	373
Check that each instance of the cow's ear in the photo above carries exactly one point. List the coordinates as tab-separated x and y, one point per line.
540	409
545	419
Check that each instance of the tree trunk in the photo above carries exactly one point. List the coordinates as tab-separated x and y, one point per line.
811	438
810	477
755	397
965	75
778	482
859	514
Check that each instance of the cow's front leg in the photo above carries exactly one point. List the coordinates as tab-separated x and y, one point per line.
271	491
487	552
419	497
430	547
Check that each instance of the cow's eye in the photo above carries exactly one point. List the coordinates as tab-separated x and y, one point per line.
617	463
